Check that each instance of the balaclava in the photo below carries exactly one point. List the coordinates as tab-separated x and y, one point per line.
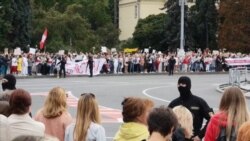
11	82
184	91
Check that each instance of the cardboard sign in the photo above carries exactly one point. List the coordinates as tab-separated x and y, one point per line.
32	51
113	49
215	52
104	49
17	51
61	52
6	50
146	50
130	50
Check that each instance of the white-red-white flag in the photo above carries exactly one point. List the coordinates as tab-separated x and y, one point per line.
44	37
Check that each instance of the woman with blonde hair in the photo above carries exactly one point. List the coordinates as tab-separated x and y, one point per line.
135	112
54	113
88	122
185	119
233	112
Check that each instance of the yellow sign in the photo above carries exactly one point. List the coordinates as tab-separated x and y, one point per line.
130	50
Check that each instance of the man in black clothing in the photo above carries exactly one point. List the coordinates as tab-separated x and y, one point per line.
91	65
171	64
197	106
62	63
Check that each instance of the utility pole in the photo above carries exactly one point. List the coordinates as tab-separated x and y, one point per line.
181	52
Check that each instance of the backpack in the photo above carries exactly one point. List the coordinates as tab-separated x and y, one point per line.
223	137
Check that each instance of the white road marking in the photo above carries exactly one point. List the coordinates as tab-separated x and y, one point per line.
153	97
73	100
160	99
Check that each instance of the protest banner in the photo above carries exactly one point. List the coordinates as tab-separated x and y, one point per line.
82	68
238	61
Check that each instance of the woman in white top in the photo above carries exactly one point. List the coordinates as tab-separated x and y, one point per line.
87	126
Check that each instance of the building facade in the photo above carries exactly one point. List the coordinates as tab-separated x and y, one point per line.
130	11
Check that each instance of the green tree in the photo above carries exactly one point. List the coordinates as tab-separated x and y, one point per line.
234	28
5	22
15	23
64	29
203	24
150	32
172	30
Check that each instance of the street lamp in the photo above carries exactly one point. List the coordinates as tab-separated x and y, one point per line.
181	52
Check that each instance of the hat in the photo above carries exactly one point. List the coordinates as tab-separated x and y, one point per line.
10	82
185	80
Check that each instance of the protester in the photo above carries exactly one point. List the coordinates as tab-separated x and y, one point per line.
171	64
13	67
161	124
62	63
88	121
54	113
90	65
20	122
196	105
135	113
19	65
233	112
184	131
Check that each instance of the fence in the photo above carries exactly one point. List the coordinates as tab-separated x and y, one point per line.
238	75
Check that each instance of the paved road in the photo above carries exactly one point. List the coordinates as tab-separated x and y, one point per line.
110	91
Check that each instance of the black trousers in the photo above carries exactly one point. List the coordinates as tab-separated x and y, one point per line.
60	72
91	71
171	70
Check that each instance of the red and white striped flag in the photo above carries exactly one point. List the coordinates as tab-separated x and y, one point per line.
44	37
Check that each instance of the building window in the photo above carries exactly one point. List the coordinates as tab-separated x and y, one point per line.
136	11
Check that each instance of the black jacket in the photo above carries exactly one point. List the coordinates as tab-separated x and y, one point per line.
199	109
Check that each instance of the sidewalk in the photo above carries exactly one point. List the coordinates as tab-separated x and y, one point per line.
245	87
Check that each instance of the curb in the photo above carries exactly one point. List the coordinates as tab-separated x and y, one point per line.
221	88
128	74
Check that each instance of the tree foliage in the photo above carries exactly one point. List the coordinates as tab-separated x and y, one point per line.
234	29
203	24
72	24
150	32
172	30
15	23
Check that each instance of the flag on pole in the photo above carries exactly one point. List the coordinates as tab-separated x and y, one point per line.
44	37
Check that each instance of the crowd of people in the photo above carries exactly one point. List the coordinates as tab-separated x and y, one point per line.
117	63
181	120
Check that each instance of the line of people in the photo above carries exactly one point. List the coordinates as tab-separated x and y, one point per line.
47	63
181	121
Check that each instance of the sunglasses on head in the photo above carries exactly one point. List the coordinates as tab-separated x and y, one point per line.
88	94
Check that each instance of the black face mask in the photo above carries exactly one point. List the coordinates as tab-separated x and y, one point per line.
184	92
